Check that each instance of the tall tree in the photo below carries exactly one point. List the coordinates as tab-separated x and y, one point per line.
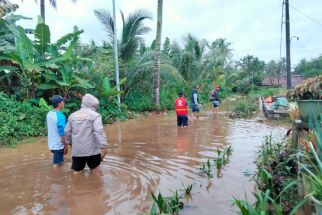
53	3
7	7
156	79
132	30
220	52
251	69
309	68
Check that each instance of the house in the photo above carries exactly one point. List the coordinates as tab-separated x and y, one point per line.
281	81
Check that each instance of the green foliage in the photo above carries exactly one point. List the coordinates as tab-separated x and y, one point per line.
275	180
309	68
31	59
166	205
110	111
187	189
312	168
206	170
139	101
263	92
277	172
19	120
244	108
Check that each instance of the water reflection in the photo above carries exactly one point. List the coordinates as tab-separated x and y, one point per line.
182	141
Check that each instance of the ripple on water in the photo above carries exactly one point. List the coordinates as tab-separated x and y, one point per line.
144	155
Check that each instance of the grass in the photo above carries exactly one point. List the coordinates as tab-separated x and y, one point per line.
263	92
245	108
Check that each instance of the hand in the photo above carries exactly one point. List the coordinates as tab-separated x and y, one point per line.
65	149
103	152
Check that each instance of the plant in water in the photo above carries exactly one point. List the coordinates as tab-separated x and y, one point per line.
187	189
219	165
277	172
228	151
219	152
166	205
205	169
265	205
226	154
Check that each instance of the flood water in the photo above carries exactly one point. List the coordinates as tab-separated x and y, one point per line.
144	155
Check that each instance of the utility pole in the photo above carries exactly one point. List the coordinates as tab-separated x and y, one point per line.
288	45
116	56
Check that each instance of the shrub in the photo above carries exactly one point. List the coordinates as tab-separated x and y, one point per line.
244	108
139	101
19	119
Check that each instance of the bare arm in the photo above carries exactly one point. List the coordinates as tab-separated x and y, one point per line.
68	133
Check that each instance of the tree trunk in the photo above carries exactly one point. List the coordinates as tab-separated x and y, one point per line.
33	86
42	9
156	77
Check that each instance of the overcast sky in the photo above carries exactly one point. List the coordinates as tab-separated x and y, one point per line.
252	26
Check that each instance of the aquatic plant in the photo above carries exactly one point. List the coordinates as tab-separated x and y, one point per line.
264	205
187	189
277	172
205	169
218	151
226	154
219	165
166	205
228	151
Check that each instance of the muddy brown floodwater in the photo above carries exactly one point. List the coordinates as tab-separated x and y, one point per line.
144	155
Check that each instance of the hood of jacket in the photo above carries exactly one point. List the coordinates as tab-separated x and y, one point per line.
90	101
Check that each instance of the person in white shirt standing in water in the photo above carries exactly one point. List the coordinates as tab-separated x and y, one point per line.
56	122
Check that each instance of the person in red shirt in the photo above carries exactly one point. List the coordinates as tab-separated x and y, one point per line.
181	110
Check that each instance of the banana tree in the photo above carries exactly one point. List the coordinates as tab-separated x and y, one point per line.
106	90
67	81
33	58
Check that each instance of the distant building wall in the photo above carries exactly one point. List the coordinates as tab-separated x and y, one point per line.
282	81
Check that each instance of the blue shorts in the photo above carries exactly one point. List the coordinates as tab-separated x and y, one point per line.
58	157
182	120
216	103
195	108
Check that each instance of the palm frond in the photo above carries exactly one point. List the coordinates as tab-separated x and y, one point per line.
106	19
133	28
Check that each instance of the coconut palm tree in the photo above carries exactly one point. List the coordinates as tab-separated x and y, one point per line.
132	30
53	3
7	7
156	79
220	52
192	58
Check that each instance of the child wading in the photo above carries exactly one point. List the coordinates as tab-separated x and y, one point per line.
181	110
